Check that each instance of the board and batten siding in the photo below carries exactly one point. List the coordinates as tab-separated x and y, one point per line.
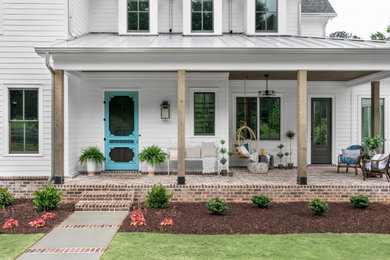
86	109
28	23
80	14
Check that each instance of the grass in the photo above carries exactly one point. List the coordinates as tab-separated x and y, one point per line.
13	245
294	246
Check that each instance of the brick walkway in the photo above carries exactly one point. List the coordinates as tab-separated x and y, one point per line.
316	176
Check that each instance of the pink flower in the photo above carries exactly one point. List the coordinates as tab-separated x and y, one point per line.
48	216
167	222
11	223
37	223
137	219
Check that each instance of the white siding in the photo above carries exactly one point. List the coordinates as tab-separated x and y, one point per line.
292	17
28	24
1	17
314	26
80	12
238	20
177	16
104	15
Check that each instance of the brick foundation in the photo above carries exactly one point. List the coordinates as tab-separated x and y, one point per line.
22	187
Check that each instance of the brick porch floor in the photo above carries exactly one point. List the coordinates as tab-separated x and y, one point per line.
316	176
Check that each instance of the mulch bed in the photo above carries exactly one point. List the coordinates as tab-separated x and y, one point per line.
24	211
279	218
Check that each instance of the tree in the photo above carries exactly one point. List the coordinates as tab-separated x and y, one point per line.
343	35
380	36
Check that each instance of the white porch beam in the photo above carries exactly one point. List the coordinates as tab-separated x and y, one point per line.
302	126
181	126
367	79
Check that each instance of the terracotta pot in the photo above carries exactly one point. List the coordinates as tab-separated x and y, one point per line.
224	172
280	166
230	174
290	165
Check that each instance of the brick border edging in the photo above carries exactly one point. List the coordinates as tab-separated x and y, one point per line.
64	250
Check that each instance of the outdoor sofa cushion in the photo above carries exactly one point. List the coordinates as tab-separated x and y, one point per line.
350	154
377	157
193	152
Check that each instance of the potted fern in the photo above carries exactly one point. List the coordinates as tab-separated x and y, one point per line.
290	135
153	156
92	156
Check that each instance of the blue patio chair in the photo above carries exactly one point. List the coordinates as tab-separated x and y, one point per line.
378	165
347	162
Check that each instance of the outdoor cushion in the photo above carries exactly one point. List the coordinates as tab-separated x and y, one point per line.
192	152
172	153
377	157
258	168
351	153
347	160
244	150
238	146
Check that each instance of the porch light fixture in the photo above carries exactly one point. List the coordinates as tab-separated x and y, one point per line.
266	92
165	110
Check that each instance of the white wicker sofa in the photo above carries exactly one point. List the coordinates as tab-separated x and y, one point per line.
207	153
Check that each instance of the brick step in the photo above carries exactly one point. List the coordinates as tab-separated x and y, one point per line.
107	195
103	205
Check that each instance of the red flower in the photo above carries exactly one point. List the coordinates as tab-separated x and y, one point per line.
37	223
11	223
167	222
137	219
48	216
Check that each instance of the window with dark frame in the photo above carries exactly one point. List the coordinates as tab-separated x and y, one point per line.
270	118
204	113
202	15
251	114
138	15
267	15
23	121
366	118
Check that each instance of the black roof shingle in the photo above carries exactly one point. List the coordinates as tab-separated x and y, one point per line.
317	6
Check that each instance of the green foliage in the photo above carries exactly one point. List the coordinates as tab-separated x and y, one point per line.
321	132
222	142
373	143
280	146
360	201
223	151
318	206
158	197
217	206
93	154
290	134
153	155
6	198
230	153
47	199
343	35
223	160
261	201
280	155
380	36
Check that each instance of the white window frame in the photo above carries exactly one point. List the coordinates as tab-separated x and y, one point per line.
6	137
250	12
187	19
153	19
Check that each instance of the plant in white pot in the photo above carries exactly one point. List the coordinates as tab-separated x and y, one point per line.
153	156
92	156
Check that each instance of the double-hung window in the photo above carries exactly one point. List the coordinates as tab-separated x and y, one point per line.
266	15
202	12
204	113
23	121
246	113
138	15
366	118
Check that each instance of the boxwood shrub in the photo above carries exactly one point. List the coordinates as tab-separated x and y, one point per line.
6	198
360	201
158	197
261	201
47	199
318	206
217	206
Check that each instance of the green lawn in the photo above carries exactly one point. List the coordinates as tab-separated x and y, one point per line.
295	246
12	246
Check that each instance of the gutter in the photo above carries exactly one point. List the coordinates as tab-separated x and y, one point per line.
50	68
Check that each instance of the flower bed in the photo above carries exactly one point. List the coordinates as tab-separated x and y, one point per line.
24	212
279	218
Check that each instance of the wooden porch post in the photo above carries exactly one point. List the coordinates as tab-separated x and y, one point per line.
181	111
375	108
302	127
58	127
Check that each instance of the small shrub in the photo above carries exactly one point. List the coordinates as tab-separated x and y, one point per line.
158	197
47	199
261	201
37	223
6	198
137	219
360	201
217	206
318	206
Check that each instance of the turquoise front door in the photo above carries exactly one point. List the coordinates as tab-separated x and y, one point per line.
121	130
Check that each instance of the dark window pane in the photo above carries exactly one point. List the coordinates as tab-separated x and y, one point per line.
204	113
260	5
270	118
17	137
366	118
133	21
121	116
251	114
196	21
271	22
31	137
196	5
144	5
31	104
16	104
122	154
144	21
207	21
132	5
208	5
260	22
271	5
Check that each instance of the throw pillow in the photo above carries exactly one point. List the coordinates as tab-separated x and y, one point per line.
193	152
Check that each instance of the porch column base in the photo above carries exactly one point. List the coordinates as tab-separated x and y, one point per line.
181	180
302	180
59	180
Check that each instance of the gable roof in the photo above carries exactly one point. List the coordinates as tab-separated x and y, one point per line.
317	6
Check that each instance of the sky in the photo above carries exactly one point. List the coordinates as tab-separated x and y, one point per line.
360	17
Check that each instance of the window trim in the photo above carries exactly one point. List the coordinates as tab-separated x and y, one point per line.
215	109
202	31
123	19
277	18
6	116
138	12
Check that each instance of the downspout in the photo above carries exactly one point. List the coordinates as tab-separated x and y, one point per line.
170	16
230	16
50	68
70	21
299	17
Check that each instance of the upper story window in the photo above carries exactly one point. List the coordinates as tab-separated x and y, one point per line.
266	15
202	15
138	15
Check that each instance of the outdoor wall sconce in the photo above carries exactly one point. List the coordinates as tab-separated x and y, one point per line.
165	110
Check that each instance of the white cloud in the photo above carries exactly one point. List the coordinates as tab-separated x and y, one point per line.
360	17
